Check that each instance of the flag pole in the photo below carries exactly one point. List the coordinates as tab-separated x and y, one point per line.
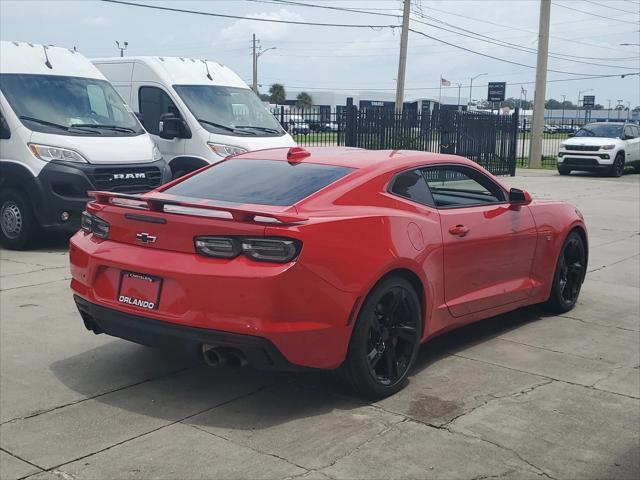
440	92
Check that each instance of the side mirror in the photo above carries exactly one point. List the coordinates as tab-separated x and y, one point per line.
571	134
169	126
519	197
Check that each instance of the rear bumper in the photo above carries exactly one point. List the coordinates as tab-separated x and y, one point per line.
259	352
299	312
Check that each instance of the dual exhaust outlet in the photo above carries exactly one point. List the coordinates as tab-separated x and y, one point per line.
218	356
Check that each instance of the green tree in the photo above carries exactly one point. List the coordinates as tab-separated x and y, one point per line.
264	97
304	100
277	94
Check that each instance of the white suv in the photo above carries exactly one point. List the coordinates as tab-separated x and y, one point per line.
605	147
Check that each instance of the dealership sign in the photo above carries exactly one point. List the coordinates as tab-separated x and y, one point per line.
496	91
588	101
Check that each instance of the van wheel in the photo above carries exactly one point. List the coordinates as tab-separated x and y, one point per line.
17	222
385	340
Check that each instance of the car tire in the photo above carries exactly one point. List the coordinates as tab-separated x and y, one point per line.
385	340
563	170
569	274
617	169
18	225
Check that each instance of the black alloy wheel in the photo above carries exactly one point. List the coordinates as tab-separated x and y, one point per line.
385	339
569	275
617	169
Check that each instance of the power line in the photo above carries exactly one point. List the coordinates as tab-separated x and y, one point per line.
484	21
489	39
610	7
254	19
594	14
492	56
513	46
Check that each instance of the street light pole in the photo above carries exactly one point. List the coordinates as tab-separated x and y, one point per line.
537	132
257	53
471	86
580	92
123	48
563	100
609	109
459	87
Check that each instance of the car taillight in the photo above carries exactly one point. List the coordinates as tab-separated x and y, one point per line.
92	224
279	250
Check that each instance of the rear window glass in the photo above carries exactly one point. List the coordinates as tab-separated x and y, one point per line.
263	182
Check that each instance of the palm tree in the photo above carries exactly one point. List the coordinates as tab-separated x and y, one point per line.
277	94
303	100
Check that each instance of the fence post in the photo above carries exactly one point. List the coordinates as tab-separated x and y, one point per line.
514	142
350	124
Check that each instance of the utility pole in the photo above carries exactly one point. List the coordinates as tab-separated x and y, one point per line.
459	87
123	48
402	64
609	110
537	132
254	84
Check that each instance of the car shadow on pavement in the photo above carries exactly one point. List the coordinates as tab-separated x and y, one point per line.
161	384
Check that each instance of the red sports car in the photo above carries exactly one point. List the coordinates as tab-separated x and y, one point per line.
331	258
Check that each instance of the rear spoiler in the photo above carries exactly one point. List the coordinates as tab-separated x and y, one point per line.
156	204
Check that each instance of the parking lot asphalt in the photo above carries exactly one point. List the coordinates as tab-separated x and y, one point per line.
522	395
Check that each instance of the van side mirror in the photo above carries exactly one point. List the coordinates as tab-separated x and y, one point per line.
170	126
519	197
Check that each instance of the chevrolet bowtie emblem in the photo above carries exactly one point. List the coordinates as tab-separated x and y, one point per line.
145	237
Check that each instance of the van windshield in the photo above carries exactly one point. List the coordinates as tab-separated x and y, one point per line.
68	105
229	110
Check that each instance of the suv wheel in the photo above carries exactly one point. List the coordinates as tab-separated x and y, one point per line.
617	169
17	222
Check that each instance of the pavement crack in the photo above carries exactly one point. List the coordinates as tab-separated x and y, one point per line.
36	284
23	460
587	322
93	397
180	420
551	350
270	454
614	263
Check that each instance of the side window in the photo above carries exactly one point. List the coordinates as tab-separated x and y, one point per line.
635	130
5	132
411	185
458	186
97	100
630	132
154	102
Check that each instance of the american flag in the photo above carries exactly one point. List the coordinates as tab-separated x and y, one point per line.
444	82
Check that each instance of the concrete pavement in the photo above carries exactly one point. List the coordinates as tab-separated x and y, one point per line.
523	395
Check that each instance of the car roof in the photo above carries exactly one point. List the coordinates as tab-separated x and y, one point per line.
358	158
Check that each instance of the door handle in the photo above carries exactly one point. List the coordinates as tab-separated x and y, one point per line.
459	230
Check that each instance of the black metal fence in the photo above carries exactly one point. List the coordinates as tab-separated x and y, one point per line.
488	139
555	132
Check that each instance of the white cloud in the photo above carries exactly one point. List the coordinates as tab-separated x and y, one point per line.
264	30
97	21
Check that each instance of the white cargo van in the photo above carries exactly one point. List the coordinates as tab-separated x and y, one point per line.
64	130
197	111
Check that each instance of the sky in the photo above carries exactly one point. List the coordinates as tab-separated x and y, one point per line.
316	58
